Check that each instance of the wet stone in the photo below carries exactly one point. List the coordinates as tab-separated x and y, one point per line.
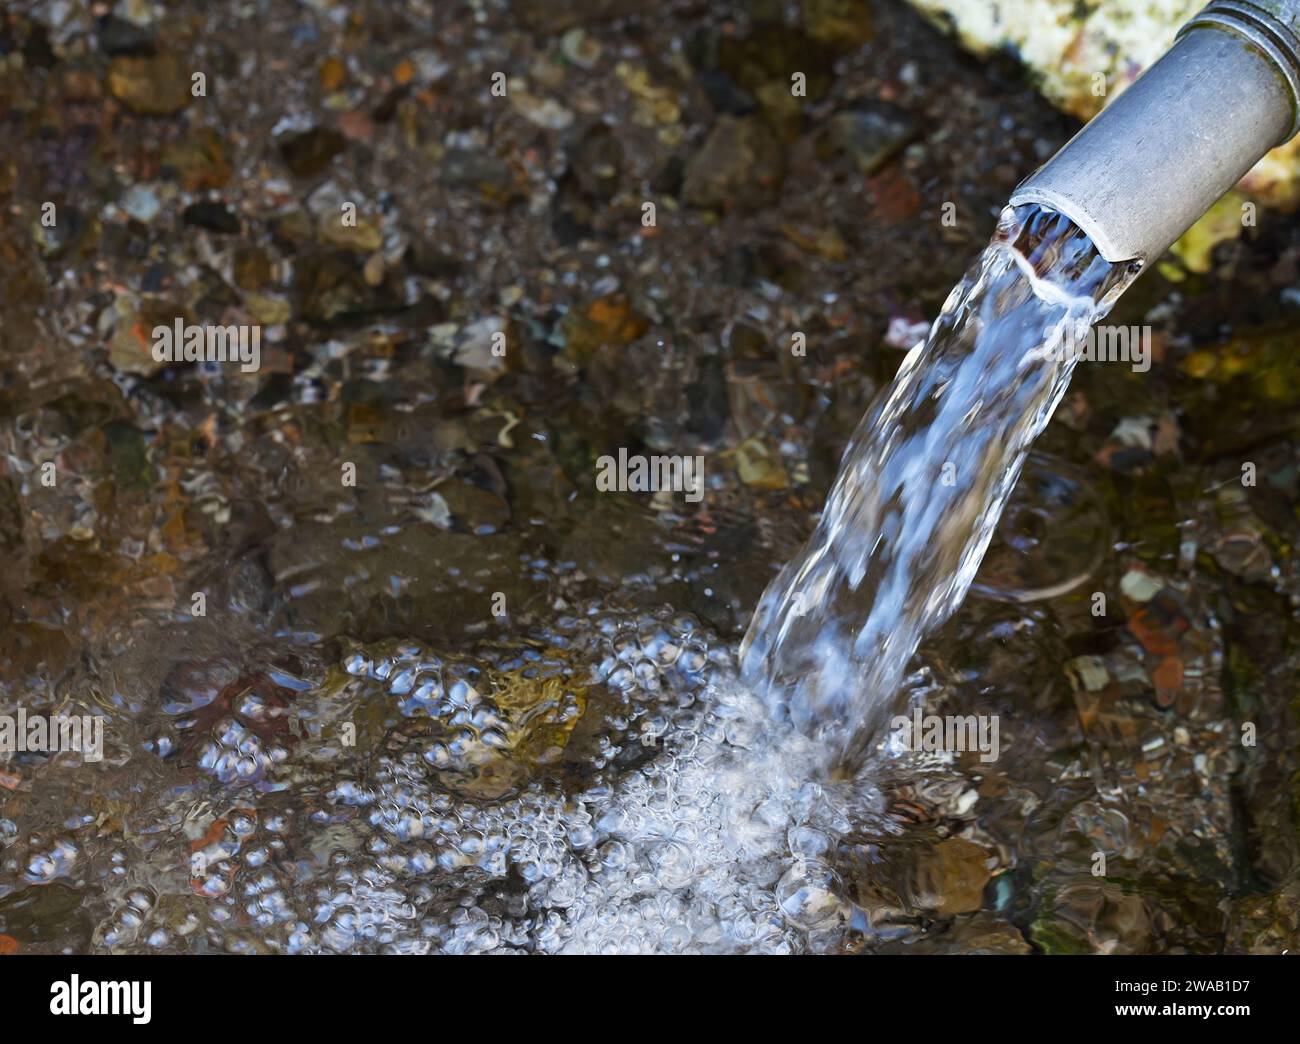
11	516
739	166
130	457
474	510
842	23
767	58
252	267
1268	923
488	174
597	163
725	95
363	237
153	86
759	467
215	217
198	160
56	241
431	261
544	17
580	49
610	321
118	37
868	137
309	152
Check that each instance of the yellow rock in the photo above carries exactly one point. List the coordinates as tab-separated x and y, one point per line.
364	237
1221	223
758	467
1199	364
268	310
156	86
528	722
951	876
332	74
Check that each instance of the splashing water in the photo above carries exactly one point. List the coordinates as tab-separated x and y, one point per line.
923	482
699	824
602	783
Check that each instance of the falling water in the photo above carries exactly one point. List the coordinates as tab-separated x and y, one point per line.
923	482
603	784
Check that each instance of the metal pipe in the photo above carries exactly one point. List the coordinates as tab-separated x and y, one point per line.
1143	171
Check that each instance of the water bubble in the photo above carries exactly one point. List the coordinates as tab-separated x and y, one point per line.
808	895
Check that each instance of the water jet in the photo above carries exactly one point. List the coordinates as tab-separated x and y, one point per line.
926	476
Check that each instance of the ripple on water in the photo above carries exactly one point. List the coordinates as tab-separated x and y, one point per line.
602	785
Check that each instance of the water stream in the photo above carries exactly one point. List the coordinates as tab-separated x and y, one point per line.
924	481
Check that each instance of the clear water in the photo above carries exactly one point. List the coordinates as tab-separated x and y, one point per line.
603	786
923	483
603	783
684	825
717	830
